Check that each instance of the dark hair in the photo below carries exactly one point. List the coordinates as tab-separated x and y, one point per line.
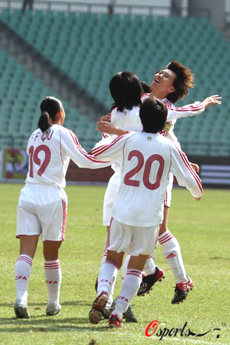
153	114
126	90
49	108
146	87
183	81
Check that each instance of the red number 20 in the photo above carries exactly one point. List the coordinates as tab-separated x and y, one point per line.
35	159
135	183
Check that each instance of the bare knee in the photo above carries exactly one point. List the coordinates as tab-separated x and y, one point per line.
51	250
28	245
115	258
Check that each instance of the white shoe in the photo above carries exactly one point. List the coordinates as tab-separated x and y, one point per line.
52	309
21	310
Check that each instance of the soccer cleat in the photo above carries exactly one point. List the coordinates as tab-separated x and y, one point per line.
181	291
129	315
106	313
53	309
95	314
148	281
21	310
115	321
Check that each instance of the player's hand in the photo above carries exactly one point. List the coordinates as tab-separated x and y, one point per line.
106	117
211	100
106	127
195	167
198	198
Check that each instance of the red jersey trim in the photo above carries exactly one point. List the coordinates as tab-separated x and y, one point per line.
193	173
82	151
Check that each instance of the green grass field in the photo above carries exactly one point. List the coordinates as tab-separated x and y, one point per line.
203	231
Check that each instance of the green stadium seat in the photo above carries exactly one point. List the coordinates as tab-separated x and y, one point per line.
91	48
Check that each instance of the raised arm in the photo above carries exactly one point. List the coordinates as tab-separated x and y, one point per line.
190	109
184	172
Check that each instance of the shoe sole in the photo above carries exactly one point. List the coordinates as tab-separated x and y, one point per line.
52	310
95	314
148	292
53	313
21	313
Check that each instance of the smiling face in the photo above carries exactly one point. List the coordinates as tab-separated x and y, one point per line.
162	83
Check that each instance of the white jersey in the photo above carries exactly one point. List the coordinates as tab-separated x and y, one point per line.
50	153
147	161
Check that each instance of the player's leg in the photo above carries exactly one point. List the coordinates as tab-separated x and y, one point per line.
53	275
118	244
110	194
28	245
172	253
129	287
141	246
28	230
150	275
106	279
53	216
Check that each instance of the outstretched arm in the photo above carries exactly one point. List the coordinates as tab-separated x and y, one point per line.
113	150
211	100
191	109
74	150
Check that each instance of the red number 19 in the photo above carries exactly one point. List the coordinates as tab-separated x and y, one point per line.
35	159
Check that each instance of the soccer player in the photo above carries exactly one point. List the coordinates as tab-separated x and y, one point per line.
169	84
126	91
148	158
42	206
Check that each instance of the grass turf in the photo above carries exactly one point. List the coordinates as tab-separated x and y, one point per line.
202	229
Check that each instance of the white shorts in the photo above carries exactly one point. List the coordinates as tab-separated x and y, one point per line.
42	210
110	195
132	240
168	195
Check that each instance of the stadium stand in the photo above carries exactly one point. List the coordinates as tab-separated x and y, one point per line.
91	48
20	96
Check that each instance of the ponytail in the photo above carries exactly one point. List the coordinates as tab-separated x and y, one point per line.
45	121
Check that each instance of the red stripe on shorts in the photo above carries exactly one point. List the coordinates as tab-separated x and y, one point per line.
64	219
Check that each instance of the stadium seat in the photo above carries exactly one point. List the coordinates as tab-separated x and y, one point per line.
91	48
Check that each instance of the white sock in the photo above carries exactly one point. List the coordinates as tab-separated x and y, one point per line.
106	277
129	288
111	292
22	275
172	253
53	276
149	267
125	267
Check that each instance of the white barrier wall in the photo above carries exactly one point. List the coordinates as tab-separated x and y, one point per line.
98	6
